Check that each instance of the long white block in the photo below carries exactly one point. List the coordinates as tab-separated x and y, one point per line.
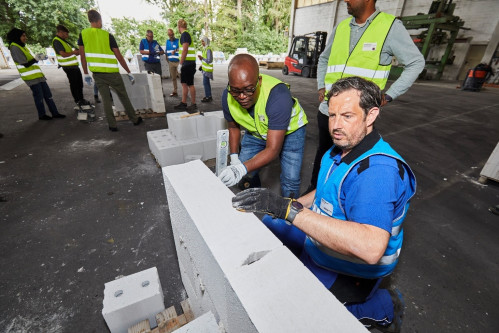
157	102
204	324
132	299
255	284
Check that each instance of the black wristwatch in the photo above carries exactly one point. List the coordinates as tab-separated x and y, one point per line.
294	208
388	98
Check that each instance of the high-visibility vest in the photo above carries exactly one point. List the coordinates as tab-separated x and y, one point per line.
191	52
170	46
100	57
206	66
147	57
258	124
364	61
28	73
65	61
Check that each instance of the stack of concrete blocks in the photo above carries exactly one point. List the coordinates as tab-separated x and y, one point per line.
233	266
146	93
165	69
188	138
132	299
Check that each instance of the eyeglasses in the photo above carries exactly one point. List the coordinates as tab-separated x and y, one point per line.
248	92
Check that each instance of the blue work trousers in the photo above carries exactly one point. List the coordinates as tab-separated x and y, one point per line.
41	91
291	157
207	86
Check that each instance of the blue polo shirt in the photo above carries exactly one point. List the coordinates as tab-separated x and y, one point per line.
278	109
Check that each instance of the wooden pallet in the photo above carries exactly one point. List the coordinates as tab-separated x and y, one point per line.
167	320
144	114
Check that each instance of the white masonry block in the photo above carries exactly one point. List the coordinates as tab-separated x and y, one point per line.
132	299
204	324
165	148
182	127
209	147
192	147
232	265
157	102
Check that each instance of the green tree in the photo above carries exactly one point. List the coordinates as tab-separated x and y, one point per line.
39	18
129	32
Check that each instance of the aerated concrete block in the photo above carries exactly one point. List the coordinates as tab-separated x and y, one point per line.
204	324
192	147
209	147
165	148
132	299
254	283
182	128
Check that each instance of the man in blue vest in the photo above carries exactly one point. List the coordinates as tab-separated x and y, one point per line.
274	121
348	231
364	45
151	51
173	58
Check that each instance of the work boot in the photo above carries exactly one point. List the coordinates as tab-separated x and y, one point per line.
139	121
181	106
192	108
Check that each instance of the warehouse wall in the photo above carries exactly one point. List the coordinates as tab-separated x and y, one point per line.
479	15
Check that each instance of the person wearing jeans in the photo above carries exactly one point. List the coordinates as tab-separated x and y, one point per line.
207	68
274	122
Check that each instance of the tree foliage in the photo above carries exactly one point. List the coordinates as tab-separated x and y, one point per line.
129	32
39	18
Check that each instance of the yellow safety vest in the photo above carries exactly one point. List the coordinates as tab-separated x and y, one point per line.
65	61
28	73
364	61
191	52
100	57
206	66
258	124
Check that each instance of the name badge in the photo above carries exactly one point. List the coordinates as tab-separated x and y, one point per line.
369	46
261	118
327	207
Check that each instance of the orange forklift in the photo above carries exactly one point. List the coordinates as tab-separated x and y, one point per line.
304	54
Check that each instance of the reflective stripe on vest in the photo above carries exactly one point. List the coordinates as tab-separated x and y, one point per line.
171	46
259	123
191	52
145	57
65	61
364	61
28	73
206	66
327	202
100	57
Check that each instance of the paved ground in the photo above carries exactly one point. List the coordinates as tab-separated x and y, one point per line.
81	205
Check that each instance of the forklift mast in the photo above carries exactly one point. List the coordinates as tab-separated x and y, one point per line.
304	54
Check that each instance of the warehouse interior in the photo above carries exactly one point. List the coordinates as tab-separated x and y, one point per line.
81	206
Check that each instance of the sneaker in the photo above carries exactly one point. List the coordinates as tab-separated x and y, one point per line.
113	129
96	99
83	102
45	117
181	106
139	121
398	313
173	94
61	116
192	108
207	99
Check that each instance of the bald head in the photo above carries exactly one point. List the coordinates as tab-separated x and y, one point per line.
244	77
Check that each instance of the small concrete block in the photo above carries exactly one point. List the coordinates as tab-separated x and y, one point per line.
209	147
192	147
182	128
204	324
132	299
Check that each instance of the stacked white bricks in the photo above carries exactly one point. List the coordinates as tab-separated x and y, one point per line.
132	299
233	266
187	139
145	93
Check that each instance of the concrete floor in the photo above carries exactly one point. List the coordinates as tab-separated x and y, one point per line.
81	206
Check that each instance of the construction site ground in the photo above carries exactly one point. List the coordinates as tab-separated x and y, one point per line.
81	206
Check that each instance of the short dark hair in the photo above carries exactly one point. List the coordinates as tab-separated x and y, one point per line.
62	28
370	94
149	32
93	16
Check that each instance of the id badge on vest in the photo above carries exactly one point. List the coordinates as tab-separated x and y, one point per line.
326	207
369	46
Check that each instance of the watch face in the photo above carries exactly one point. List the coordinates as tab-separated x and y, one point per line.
297	205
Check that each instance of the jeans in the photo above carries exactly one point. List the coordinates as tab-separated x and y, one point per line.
291	157
41	91
207	86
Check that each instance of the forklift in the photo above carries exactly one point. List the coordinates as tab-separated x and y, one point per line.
304	54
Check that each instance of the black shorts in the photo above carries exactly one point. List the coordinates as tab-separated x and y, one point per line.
187	73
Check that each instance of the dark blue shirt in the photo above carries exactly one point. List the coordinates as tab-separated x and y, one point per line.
278	109
153	55
185	37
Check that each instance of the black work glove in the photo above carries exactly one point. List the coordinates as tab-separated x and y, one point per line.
262	200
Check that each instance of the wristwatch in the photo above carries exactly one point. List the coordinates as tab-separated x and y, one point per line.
294	208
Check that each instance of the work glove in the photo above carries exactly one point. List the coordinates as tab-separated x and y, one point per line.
231	175
262	200
131	78
179	68
88	79
234	159
156	49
